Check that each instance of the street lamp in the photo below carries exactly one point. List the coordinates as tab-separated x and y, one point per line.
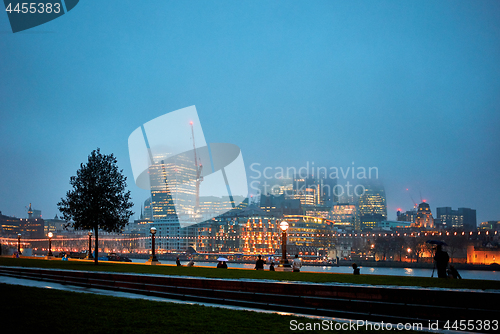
153	259
89	255
19	243
284	261
409	253
50	235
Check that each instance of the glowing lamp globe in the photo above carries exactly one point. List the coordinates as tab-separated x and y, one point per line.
284	226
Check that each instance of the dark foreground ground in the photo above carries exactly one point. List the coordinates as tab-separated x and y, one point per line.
37	310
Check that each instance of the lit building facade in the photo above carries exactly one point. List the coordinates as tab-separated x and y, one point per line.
483	255
279	205
307	231
372	205
463	218
408	216
492	225
170	236
169	179
389	225
55	225
247	231
345	216
314	190
424	217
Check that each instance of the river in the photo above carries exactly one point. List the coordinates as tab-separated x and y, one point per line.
417	272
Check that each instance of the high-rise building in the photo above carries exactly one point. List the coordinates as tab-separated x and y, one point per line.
408	216
370	221
372	205
172	180
280	205
314	190
463	218
147	211
55	225
175	192
345	216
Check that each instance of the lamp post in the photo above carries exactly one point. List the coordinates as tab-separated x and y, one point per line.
19	243
89	255
50	235
153	260
284	265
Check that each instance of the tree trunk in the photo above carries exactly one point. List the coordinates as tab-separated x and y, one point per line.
96	241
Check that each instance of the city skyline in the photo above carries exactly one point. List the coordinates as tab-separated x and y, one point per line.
408	88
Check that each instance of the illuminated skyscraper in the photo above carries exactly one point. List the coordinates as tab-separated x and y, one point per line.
174	176
345	215
372	204
314	190
173	191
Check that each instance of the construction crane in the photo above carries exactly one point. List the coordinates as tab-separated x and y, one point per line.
415	205
198	168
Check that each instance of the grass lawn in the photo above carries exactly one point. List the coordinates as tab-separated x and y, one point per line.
253	274
38	310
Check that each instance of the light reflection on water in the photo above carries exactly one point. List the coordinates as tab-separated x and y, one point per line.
417	272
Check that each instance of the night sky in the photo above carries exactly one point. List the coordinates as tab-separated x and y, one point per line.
409	87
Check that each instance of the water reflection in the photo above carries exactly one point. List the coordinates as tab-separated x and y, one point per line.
408	271
417	272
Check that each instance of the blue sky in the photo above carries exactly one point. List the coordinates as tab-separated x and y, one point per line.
410	87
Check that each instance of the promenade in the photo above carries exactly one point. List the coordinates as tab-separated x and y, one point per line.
328	299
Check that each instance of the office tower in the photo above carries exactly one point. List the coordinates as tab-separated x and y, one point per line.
147	211
345	216
280	205
372	205
408	216
372	201
174	177
314	190
463	218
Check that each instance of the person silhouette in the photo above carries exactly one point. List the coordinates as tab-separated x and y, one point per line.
259	264
356	269
296	264
271	267
441	258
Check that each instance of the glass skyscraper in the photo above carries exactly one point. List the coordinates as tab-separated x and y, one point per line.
372	205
